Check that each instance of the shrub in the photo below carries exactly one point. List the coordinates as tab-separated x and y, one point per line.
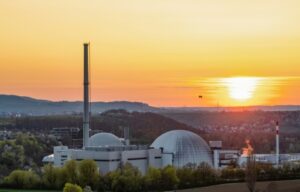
88	173
53	177
230	173
69	187
22	179
186	177
127	179
153	179
204	175
169	178
71	170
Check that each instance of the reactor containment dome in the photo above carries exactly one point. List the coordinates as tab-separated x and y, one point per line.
186	148
104	139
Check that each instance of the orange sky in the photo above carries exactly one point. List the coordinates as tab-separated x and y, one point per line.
164	53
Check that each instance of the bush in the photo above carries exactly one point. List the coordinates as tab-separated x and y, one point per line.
186	177
88	173
53	177
153	179
127	179
232	174
71	170
22	179
11	157
204	175
69	187
104	183
169	178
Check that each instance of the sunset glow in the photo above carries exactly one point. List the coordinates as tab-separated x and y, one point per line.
164	53
241	88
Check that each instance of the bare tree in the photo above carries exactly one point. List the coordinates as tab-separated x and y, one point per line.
251	173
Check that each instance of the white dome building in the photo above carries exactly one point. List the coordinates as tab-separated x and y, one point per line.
182	147
104	139
48	159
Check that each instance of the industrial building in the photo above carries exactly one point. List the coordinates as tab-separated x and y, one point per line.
106	149
180	148
177	148
61	132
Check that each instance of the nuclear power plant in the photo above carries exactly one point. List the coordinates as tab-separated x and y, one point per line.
177	148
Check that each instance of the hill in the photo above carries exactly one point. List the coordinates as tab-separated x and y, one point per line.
144	126
12	104
234	121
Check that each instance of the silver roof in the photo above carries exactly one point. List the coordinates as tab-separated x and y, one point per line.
104	139
48	159
186	146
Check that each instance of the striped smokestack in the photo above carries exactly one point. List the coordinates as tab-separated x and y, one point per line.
277	143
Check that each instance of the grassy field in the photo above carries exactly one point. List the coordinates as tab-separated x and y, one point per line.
276	186
20	190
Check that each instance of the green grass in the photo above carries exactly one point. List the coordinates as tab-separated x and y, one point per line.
20	190
278	186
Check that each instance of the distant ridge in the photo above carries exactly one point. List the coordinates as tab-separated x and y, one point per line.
13	104
27	105
239	108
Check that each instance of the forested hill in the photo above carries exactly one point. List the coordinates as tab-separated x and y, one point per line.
27	105
144	127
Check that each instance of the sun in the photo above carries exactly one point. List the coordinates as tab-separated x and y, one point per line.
241	88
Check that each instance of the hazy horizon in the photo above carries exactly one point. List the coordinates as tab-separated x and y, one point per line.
164	53
163	106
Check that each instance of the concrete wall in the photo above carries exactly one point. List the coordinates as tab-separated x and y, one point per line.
111	160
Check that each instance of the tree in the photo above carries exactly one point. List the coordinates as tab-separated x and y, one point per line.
153	179
186	177
11	157
31	147
251	173
71	169
230	173
49	176
53	177
127	179
105	182
204	175
169	178
69	187
24	151
88	173
61	177
22	179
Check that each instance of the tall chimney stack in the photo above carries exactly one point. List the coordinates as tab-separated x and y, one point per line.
86	95
277	143
126	136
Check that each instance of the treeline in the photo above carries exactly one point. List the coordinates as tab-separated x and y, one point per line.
74	176
264	172
86	174
111	121
23	152
258	126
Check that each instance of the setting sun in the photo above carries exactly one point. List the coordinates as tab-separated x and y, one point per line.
162	53
241	88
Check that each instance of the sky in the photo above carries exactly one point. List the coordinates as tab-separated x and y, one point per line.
162	52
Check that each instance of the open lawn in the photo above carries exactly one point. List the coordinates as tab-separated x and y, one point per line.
277	186
20	190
